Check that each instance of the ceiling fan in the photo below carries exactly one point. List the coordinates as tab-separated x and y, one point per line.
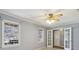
50	15
51	18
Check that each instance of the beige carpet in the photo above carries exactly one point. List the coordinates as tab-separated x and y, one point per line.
51	49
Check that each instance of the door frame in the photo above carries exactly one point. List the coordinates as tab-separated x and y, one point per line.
54	39
61	28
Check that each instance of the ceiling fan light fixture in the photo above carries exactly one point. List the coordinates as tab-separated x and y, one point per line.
50	21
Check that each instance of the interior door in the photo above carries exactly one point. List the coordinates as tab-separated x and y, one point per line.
49	38
57	38
67	39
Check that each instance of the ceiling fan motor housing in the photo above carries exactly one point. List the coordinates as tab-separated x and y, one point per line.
50	15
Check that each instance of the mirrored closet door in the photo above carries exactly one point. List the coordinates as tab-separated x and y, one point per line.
49	38
67	39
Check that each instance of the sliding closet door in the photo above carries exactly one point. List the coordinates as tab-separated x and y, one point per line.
67	39
49	38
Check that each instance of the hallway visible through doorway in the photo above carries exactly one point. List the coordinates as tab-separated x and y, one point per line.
58	38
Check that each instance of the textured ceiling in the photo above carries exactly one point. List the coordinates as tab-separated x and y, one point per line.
69	15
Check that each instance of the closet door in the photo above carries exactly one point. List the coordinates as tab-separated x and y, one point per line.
49	38
67	39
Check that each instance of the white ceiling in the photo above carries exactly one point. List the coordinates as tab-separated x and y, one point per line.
70	15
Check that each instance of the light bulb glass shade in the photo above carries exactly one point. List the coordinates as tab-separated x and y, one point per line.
50	21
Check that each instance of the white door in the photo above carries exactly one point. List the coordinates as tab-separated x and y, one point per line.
67	39
50	38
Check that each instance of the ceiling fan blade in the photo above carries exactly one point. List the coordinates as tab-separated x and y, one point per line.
59	15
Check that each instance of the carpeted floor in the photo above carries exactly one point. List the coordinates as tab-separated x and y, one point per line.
51	49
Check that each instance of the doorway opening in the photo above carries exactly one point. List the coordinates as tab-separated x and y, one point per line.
58	38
